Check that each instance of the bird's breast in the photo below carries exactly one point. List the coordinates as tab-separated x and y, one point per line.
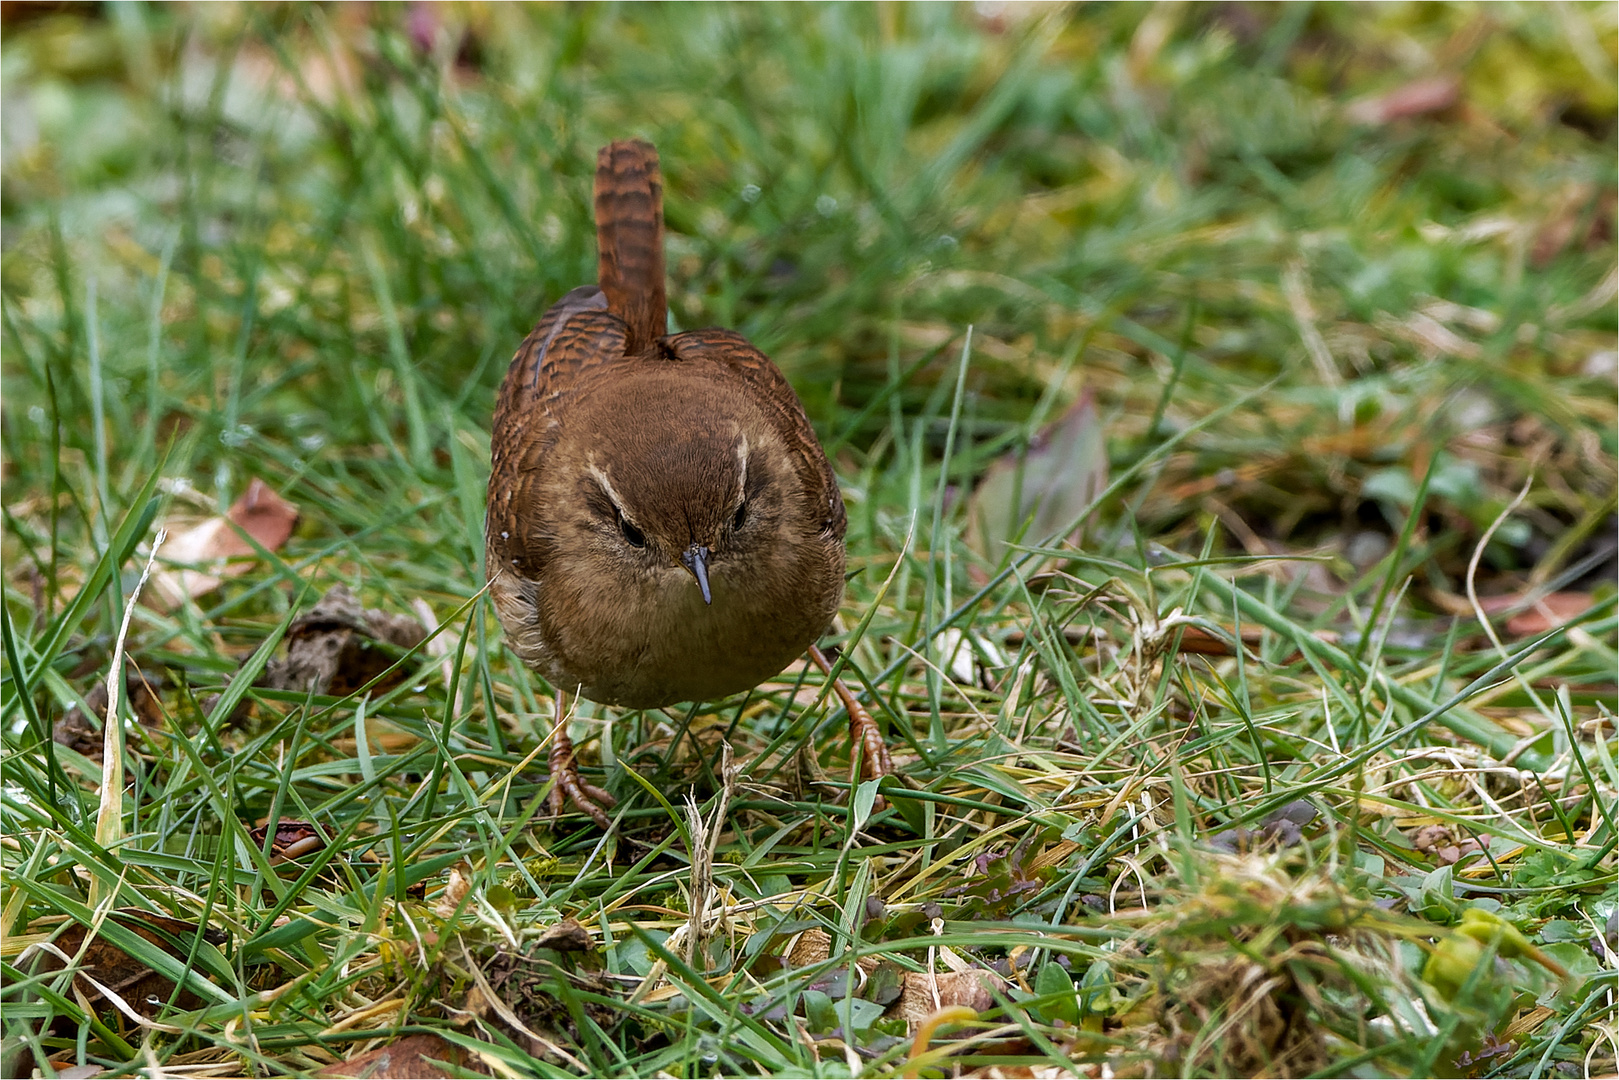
660	643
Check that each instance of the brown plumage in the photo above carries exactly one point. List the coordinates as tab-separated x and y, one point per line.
635	471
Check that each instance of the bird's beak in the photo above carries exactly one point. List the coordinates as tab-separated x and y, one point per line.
695	559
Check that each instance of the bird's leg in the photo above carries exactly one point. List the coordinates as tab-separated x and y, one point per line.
863	731
569	784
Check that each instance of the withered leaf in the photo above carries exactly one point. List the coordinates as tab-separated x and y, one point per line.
1549	612
1281	828
207	553
74	730
1047	488
338	646
970	988
409	1058
293	839
810	947
566	936
137	985
1420	97
1430	838
455	889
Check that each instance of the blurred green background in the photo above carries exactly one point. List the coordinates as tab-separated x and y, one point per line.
315	229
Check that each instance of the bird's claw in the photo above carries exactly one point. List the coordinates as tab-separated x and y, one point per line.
875	761
571	787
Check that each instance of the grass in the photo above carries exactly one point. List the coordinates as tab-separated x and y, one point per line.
1328	349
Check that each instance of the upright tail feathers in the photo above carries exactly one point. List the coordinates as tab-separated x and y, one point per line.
629	239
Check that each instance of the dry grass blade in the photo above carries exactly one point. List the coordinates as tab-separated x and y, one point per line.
110	813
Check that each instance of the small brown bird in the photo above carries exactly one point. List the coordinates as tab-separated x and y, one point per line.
663	525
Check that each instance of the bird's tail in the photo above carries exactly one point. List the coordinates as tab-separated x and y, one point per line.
629	238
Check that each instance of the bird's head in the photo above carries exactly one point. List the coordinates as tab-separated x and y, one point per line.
684	484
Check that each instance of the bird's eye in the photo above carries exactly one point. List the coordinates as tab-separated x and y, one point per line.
635	537
741	517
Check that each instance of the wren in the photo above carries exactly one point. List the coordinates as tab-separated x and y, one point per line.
662	524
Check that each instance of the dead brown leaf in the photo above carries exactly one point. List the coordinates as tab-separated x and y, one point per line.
1280	829
814	946
338	647
1451	854
455	890
132	982
207	553
811	947
293	839
566	936
1441	844
1421	97
970	988
1430	838
410	1058
74	730
1028	497
1550	612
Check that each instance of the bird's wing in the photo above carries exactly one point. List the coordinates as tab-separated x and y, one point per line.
582	339
576	343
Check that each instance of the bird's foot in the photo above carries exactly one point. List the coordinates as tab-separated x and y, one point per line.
875	761
570	786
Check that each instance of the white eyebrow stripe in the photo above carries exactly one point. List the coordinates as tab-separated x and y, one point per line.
742	466
600	475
